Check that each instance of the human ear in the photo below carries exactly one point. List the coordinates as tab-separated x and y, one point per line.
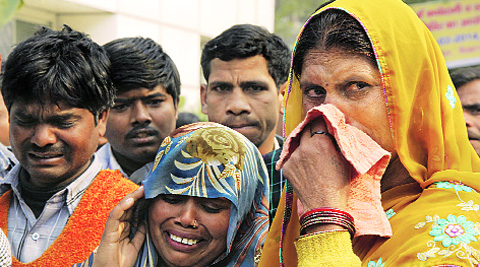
203	98
281	95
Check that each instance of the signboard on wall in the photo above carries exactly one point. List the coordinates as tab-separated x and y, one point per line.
456	27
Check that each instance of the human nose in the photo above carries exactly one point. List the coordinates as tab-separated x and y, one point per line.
43	135
140	113
468	119
332	99
238	102
188	214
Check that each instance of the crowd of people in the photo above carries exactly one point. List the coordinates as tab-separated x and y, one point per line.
378	164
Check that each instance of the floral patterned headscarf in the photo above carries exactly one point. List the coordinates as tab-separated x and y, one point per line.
210	160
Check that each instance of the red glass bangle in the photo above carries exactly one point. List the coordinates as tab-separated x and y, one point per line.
327	216
307	213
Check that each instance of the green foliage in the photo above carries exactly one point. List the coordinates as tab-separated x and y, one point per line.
197	112
8	9
290	15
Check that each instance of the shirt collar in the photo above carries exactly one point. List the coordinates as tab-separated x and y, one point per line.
69	194
276	144
108	160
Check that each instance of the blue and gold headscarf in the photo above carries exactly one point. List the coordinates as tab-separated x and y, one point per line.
210	160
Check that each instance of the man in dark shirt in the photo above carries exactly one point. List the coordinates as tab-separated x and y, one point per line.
246	69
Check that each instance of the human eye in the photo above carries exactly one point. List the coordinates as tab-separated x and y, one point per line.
476	111
172	199
62	122
212	208
215	205
64	125
473	110
356	88
24	122
255	88
120	107
154	102
315	92
221	88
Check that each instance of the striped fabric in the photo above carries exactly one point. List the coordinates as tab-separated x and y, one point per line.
277	181
5	254
7	161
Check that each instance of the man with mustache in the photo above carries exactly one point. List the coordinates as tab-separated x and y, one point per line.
246	69
55	202
147	87
467	82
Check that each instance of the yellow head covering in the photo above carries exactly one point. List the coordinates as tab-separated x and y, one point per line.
424	110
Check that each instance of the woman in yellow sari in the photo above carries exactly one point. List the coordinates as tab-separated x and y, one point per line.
378	64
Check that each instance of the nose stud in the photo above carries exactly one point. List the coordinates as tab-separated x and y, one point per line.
194	225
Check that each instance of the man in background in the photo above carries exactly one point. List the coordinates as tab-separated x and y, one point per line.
185	118
467	82
55	202
7	159
246	70
147	87
4	138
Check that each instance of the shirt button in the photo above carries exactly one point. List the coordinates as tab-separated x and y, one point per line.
35	236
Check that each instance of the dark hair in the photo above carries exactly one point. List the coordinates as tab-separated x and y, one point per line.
59	66
140	211
462	76
141	62
185	118
2	71
246	40
333	29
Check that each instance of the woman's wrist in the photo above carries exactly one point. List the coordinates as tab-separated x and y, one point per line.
323	219
319	228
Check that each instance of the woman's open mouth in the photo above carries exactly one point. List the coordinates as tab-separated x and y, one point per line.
185	241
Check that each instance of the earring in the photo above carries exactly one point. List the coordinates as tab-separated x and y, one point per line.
195	226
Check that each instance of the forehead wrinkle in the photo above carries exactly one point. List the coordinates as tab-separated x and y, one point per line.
45	112
218	83
318	65
238	70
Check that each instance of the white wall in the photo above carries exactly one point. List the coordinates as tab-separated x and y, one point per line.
175	24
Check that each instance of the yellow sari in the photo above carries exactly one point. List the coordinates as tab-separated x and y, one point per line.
435	221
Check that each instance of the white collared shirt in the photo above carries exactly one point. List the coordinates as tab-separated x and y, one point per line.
108	161
7	161
30	236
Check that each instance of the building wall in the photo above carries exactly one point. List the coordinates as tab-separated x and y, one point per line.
178	25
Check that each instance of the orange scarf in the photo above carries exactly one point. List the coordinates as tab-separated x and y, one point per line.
84	229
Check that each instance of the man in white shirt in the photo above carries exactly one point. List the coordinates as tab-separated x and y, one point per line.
147	87
467	82
54	203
